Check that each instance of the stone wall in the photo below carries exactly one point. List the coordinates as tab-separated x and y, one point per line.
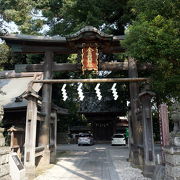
4	158
172	166
4	166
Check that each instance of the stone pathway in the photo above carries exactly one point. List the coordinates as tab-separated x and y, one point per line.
98	162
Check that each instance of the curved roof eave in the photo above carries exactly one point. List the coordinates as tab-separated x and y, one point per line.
64	45
31	38
59	39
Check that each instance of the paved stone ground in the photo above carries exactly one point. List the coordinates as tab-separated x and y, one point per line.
97	162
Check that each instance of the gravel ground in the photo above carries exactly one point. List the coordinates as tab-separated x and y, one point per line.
125	171
98	162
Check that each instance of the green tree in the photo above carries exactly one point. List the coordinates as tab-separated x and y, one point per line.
8	59
66	16
154	37
69	16
23	13
4	55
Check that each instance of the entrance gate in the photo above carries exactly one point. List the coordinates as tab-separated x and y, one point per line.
140	120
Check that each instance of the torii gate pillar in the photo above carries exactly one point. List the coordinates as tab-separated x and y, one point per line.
46	107
135	123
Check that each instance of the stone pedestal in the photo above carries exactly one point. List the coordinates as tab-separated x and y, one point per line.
45	159
30	172
172	152
172	163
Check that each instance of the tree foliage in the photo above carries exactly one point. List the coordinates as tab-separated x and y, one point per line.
154	37
66	16
23	13
71	15
4	55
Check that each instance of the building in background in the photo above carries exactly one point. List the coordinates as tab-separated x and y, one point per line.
13	86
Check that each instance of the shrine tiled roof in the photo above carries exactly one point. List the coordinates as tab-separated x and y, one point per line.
13	85
91	29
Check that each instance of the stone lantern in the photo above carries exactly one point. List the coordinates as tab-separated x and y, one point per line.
175	138
172	152
149	158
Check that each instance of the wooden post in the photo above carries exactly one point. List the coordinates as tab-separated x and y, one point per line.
53	137
135	155
46	107
148	142
130	140
164	124
164	128
30	137
12	140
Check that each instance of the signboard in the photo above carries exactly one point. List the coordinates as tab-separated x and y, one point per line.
90	58
17	162
17	171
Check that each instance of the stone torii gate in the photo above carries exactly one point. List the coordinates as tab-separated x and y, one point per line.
140	120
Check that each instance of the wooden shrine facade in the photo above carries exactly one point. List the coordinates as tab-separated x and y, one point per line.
140	120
